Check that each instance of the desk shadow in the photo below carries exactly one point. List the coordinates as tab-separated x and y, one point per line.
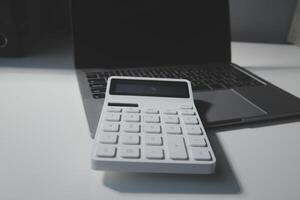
223	181
51	52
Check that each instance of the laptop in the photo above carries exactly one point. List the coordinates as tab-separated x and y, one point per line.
171	39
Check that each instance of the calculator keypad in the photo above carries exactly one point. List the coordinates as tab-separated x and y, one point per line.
153	140
131	127
130	152
152	128
193	130
114	109
106	151
177	148
113	117
110	127
151	119
108	138
130	139
154	153
132	118
153	134
132	110
173	129
169	119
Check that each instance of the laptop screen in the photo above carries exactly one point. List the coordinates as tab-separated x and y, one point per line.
120	33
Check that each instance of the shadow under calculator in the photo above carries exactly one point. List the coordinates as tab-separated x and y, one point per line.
223	181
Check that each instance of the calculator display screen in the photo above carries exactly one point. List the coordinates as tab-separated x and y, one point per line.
149	88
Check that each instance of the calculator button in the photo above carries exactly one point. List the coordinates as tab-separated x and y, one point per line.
115	110
154	140
130	152
132	118
171	119
151	111
130	139
170	112
177	148
173	129
152	128
190	120
110	127
186	107
193	130
151	119
106	151
197	141
108	138
132	110
200	153
112	117
131	128
154	153
188	112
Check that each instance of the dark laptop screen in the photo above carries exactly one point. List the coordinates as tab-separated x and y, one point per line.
120	33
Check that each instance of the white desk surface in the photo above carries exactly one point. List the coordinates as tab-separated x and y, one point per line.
45	144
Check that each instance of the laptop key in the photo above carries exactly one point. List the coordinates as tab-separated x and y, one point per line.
98	89
92	81
91	76
99	96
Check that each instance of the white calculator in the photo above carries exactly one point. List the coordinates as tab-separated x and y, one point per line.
151	125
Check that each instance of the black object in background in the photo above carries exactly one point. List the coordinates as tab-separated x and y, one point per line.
55	17
24	23
118	33
19	26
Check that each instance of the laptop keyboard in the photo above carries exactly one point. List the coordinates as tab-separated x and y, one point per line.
202	78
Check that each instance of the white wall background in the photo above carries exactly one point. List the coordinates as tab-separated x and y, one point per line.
261	20
295	29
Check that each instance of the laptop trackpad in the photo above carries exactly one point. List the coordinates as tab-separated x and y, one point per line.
224	105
